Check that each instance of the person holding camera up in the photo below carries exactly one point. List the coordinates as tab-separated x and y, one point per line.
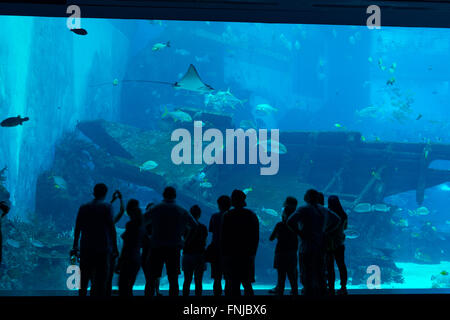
95	225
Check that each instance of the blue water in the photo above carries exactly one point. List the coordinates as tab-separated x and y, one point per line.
390	85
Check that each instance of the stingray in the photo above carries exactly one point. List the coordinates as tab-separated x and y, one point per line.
191	81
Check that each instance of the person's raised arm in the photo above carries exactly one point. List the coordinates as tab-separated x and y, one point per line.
118	195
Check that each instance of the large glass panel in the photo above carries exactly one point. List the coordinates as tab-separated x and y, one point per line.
362	114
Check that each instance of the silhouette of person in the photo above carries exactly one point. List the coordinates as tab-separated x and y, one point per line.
130	258
168	224
215	227
239	243
98	244
194	254
336	248
286	250
312	222
116	195
146	253
5	209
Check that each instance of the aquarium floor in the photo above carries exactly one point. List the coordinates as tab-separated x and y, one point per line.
209	293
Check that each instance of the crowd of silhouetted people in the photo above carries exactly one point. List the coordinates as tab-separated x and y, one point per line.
310	237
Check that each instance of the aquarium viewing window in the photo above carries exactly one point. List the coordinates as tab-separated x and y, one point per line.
349	111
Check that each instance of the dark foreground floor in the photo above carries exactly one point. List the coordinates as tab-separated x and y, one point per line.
359	304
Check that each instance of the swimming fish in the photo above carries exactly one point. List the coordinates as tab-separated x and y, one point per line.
202	59
205	184
148	165
191	81
13	243
368	112
59	182
419	255
380	64
13	121
177	115
351	234
157	22
160	46
201	177
419	117
444	273
266	108
422	211
247	190
391	81
376	175
402	223
222	100
393	67
115	82
270	212
182	52
352	39
270	145
247	124
363	208
37	244
381	207
79	31
340	126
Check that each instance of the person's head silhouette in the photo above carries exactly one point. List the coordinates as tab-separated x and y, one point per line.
169	193
335	205
133	210
224	203
311	197
100	191
290	204
196	212
238	199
